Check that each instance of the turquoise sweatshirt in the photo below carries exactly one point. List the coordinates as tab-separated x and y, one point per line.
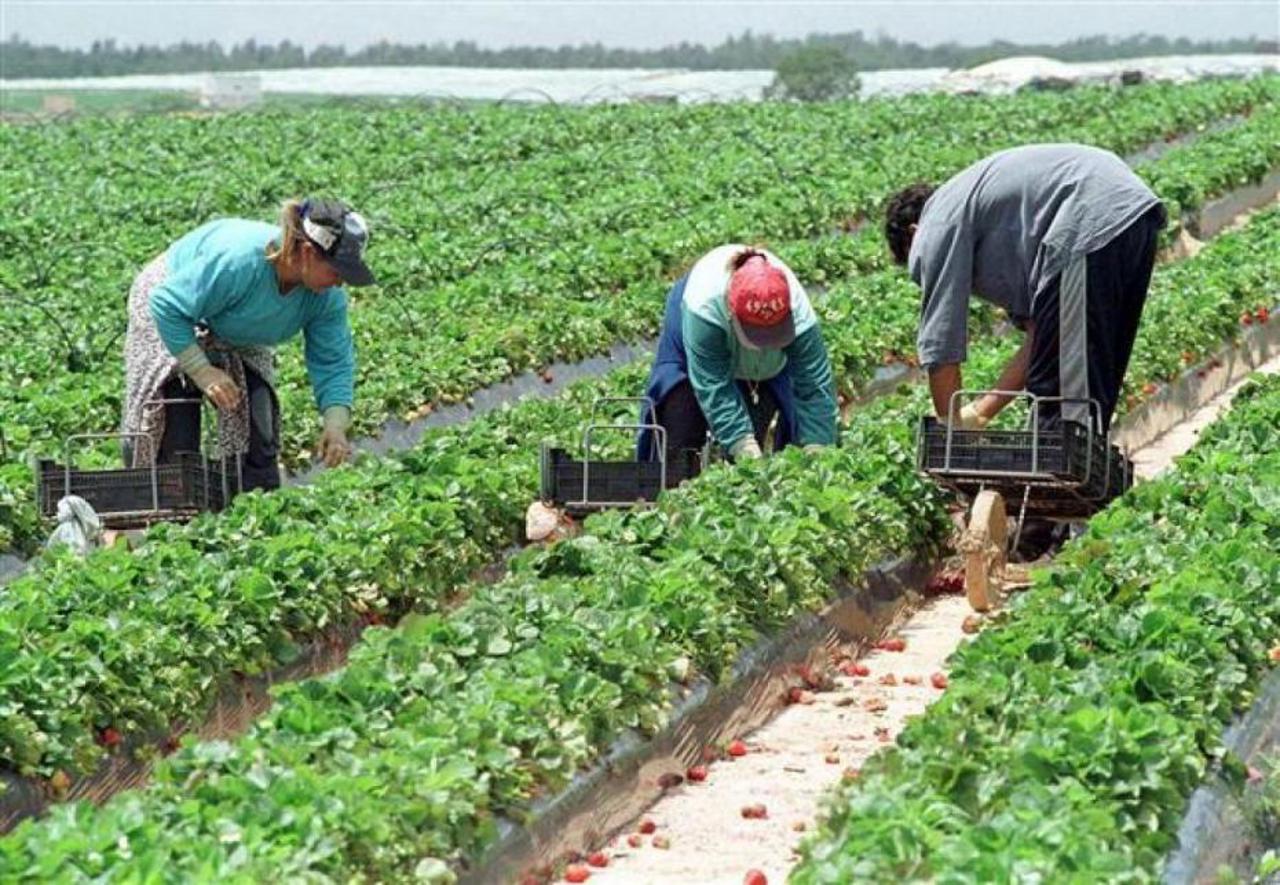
717	360
219	275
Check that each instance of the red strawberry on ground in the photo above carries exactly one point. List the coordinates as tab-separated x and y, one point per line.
755	877
109	737
1262	314
737	748
755	811
1246	319
647	826
576	873
939	681
598	859
697	774
634	840
896	643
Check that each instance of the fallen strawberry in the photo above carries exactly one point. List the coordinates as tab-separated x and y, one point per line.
939	681
1262	314
971	624
1246	319
647	826
696	774
576	873
856	668
888	679
634	840
832	759
661	842
737	748
598	859
754	877
756	811
798	695
896	643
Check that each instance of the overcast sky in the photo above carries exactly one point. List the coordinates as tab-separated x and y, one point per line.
356	23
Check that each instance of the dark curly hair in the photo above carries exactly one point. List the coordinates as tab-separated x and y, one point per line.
902	211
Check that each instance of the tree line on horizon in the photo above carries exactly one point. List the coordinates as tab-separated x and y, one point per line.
23	59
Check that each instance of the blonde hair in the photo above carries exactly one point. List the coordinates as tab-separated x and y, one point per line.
290	231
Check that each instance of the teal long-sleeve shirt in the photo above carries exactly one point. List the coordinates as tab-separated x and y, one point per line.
218	275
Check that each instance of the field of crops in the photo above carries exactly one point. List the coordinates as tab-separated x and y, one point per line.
510	238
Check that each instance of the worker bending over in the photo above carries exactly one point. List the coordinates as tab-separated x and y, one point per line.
1063	237
740	345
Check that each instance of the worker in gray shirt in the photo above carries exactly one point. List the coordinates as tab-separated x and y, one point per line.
1063	237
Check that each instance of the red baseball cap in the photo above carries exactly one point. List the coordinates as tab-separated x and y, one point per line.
760	305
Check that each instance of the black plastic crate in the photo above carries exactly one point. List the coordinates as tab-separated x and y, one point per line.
1071	471
611	482
124	497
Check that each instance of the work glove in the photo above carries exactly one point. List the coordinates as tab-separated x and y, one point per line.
212	381
970	419
745	449
217	385
333	447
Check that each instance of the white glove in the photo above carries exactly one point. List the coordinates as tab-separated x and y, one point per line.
970	419
745	449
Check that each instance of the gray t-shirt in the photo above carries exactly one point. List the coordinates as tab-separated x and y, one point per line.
1006	226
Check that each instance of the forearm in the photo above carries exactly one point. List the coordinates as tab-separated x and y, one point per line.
944	381
1013	377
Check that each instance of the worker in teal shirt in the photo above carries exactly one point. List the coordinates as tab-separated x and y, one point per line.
205	315
740	346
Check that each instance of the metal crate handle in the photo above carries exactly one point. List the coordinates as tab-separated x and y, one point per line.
120	434
660	439
226	493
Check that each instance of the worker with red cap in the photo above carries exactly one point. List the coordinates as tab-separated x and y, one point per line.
740	345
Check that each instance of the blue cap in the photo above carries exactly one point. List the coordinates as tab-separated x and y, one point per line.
341	235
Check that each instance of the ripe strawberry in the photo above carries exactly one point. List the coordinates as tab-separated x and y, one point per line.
737	748
634	840
697	774
647	826
109	737
598	859
1246	319
576	873
1262	314
798	695
939	681
896	643
756	811
661	842
754	877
